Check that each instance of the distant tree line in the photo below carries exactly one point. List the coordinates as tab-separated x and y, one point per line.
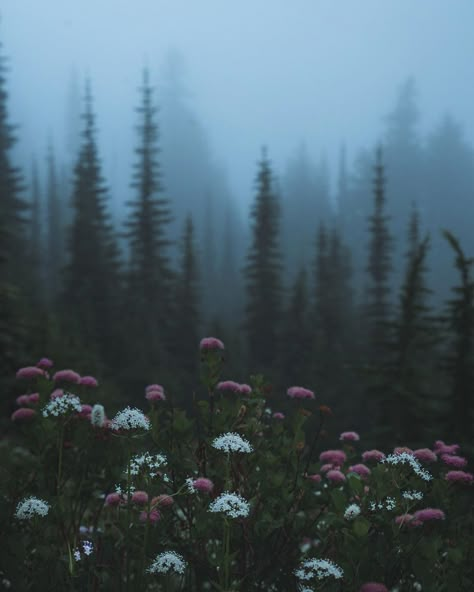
337	299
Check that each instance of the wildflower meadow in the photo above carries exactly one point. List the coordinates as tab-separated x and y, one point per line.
233	496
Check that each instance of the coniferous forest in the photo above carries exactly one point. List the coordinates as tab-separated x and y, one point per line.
357	286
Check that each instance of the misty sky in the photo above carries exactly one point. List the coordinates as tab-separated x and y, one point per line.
274	72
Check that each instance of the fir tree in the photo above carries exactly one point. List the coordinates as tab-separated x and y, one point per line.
91	275
149	274
459	360
379	265
263	274
54	244
36	279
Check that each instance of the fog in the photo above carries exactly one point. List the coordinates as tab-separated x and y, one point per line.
257	72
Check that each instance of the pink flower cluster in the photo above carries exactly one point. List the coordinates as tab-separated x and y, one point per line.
210	343
441	448
335	457
349	437
234	387
299	392
374	455
30	372
203	485
67	376
429	514
360	469
373	587
28	399
89	381
155	392
425	455
459	477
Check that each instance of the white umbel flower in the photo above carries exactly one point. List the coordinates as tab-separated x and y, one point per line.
233	505
232	442
412	495
407	458
31	506
62	405
318	569
147	463
98	416
166	562
130	419
352	512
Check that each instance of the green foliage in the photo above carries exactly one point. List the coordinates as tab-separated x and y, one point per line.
297	512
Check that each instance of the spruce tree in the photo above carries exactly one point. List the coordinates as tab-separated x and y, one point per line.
149	278
459	359
379	264
91	281
54	243
36	280
263	274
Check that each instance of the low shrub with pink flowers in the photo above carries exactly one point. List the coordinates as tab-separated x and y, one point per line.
234	496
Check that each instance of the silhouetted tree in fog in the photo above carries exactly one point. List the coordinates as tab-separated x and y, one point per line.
263	274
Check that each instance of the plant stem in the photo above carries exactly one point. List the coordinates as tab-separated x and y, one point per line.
60	458
127	531
226	554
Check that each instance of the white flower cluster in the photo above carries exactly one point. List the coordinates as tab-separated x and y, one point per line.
147	462
232	442
407	458
62	405
30	507
412	495
130	419
390	504
166	562
352	512
318	569
190	485
98	416
87	548
232	505
120	491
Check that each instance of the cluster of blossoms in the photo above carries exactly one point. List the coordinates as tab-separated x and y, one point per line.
31	506
62	405
67	376
232	442
130	419
167	562
349	437
389	504
318	569
149	463
233	505
155	392
98	418
87	548
412	495
234	387
30	373
408	458
210	343
352	512
201	484
299	392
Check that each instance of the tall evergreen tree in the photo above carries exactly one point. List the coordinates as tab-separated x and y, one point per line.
91	276
149	275
263	274
36	280
54	244
459	360
379	264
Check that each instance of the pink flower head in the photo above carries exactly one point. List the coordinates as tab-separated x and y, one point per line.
349	437
458	462
441	448
373	587
425	455
229	385
162	501
278	415
335	476
407	519
56	394
210	343
326	467
45	363
67	376
299	392
113	499
316	478
30	372
401	449
459	477
245	389
155	395
335	457
88	381
429	514
23	400
154	387
204	485
360	469
140	497
375	455
86	410
33	398
152	517
23	414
